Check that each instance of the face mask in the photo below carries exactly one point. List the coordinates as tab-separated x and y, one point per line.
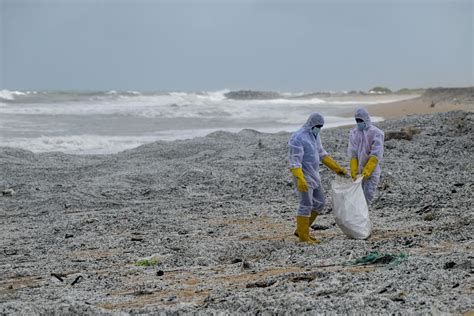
315	131
361	126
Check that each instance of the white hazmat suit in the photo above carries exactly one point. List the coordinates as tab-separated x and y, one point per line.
364	143
306	151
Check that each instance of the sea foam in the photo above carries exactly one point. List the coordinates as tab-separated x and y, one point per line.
111	121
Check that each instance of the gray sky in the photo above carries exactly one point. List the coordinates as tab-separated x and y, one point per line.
210	45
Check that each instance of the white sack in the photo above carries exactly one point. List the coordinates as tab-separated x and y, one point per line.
350	208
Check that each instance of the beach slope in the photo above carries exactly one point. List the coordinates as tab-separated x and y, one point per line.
436	100
206	225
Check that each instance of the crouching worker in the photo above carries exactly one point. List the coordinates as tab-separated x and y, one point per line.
305	152
366	151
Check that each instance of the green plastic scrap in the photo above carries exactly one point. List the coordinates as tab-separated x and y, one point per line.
147	262
381	258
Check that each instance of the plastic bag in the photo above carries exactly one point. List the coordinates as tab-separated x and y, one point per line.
350	207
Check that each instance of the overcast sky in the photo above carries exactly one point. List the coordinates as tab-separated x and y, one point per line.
211	45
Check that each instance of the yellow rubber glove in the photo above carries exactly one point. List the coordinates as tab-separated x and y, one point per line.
354	167
334	166
369	167
301	184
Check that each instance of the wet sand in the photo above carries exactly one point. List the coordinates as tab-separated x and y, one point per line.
433	101
415	106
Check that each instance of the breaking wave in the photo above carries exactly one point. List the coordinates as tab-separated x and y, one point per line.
101	122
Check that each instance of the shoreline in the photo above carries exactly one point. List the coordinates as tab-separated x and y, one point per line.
416	106
439	100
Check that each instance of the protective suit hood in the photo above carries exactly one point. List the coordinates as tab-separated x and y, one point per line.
362	114
314	119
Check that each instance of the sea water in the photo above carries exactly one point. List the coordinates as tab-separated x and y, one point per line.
109	122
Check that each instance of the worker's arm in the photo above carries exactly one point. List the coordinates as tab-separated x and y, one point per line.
334	166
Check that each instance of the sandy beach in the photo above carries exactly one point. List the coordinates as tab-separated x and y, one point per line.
433	101
213	218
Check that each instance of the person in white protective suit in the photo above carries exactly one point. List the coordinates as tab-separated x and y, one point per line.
305	152
365	151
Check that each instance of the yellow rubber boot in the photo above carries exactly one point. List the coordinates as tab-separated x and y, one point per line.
312	217
354	167
369	167
302	227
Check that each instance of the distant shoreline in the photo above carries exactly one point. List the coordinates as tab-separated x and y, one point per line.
438	100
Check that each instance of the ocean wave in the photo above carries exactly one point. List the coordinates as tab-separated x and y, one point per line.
169	105
132	92
292	101
100	144
175	105
329	121
363	102
252	95
8	95
78	144
203	98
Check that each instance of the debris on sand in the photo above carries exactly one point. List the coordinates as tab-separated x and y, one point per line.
406	133
380	258
148	262
8	192
217	213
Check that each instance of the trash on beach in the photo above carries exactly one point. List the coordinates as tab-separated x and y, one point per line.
262	283
350	208
381	258
449	265
148	262
10	252
404	133
59	276
8	192
319	227
77	279
429	217
399	297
